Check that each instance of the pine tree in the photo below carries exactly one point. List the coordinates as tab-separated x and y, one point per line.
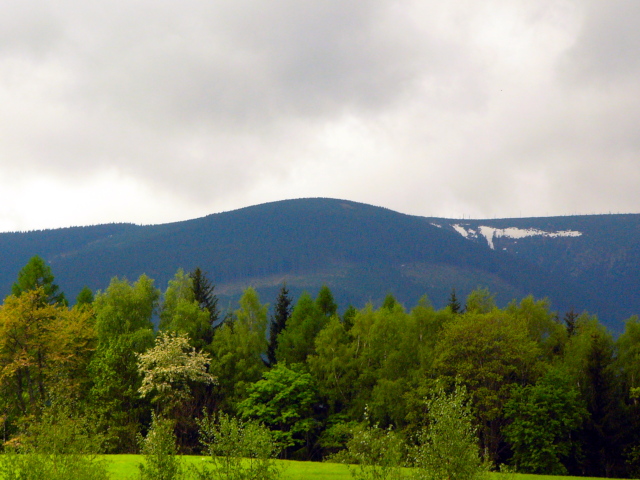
281	314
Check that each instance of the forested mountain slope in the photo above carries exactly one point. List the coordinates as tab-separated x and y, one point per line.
360	251
599	255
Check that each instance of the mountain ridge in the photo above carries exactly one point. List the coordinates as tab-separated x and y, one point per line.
362	252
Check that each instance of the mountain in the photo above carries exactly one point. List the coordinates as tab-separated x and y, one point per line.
360	251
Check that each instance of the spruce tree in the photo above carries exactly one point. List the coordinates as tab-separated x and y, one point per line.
570	319
203	294
35	274
281	313
454	304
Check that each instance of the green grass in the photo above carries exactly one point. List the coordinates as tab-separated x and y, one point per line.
124	467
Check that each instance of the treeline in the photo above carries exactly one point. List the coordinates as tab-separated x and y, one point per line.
547	394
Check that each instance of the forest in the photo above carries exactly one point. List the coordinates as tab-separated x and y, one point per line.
547	392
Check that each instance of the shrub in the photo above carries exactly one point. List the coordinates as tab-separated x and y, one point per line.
160	452
447	447
60	446
239	450
377	453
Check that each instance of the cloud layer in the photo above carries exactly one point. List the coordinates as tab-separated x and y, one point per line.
158	111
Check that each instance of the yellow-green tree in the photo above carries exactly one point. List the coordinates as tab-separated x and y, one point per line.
44	351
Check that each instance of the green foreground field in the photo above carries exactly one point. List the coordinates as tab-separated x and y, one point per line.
125	467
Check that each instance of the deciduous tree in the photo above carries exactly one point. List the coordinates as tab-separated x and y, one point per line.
237	349
488	353
124	327
169	369
183	313
44	349
543	421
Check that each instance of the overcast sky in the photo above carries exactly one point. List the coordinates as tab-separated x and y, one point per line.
155	111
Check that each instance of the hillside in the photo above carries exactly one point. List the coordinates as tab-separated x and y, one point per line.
361	252
598	255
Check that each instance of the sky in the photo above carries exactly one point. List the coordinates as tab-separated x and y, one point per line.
157	111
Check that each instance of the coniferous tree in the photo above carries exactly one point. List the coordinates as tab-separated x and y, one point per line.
281	314
36	273
570	319
203	293
454	304
605	428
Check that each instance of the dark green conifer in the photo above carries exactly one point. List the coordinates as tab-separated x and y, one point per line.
203	293
36	273
454	304
570	319
281	313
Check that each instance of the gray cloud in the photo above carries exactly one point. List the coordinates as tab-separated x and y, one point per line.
486	109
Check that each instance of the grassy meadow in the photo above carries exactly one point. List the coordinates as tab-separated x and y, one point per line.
124	467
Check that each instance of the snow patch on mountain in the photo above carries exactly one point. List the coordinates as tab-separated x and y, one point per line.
489	233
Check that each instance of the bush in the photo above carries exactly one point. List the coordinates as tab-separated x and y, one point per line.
378	453
447	447
61	446
160	452
239	450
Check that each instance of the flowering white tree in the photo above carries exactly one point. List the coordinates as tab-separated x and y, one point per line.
169	368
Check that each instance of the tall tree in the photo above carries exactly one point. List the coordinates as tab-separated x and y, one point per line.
590	357
281	313
124	326
237	350
44	351
36	273
332	366
488	353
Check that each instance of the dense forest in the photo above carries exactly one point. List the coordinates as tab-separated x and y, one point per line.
548	393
